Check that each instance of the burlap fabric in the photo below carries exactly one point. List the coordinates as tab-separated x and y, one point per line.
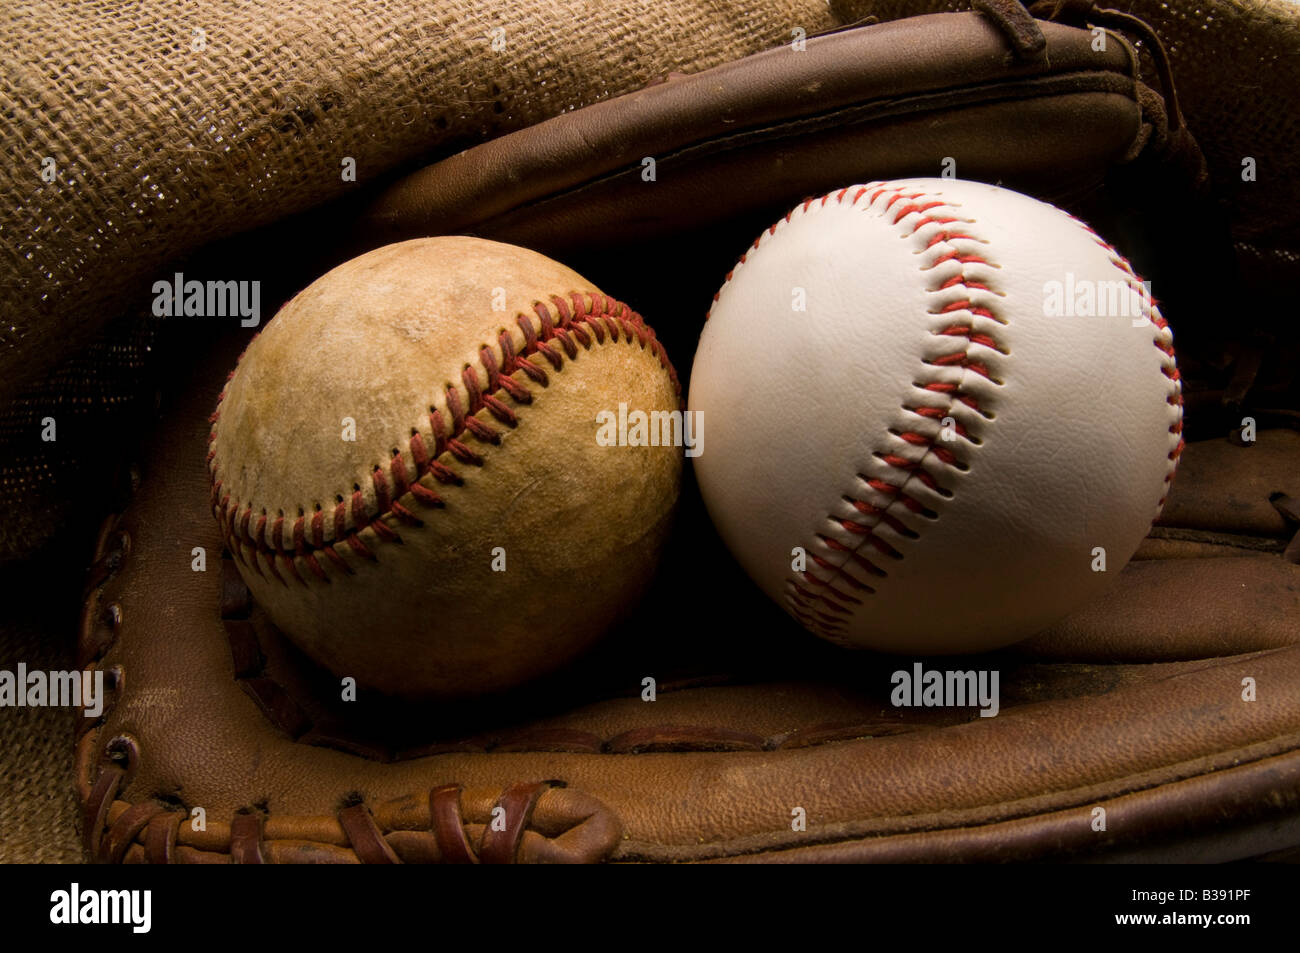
172	124
38	816
175	124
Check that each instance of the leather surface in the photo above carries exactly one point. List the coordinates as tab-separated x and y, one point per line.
424	556
781	125
1133	704
737	146
925	301
713	768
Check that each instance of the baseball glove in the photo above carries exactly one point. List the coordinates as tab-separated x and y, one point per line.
1160	723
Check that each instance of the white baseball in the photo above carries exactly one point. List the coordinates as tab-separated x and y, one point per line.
941	414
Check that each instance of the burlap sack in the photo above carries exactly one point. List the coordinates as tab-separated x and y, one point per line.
166	139
138	131
173	124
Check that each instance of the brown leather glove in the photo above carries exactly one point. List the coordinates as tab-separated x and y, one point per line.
1160	723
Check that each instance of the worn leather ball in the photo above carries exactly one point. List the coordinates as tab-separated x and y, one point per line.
406	467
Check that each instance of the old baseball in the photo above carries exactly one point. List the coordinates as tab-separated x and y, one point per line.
405	466
941	415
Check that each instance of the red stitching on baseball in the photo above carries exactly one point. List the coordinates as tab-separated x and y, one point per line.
802	601
583	319
807	593
1169	369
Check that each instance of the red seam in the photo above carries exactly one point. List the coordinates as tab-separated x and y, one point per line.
799	595
581	318
1169	370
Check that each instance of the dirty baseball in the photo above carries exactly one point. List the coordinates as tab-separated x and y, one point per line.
405	466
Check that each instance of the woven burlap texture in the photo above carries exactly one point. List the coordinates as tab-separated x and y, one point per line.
173	122
38	804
